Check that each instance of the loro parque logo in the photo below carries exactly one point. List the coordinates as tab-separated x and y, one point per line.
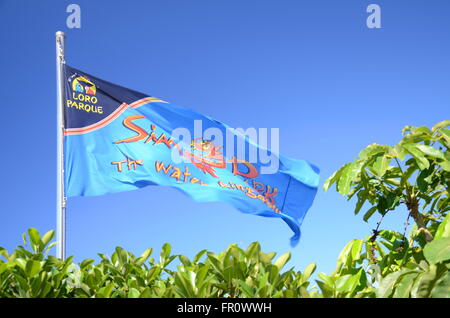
83	95
84	85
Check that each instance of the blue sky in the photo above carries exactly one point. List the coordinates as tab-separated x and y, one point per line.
311	68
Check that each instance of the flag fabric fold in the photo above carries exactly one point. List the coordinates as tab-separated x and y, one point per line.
117	139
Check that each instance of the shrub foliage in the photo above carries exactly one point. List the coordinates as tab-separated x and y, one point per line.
233	273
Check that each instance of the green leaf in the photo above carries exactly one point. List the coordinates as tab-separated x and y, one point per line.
122	255
345	257
445	132
105	292
199	255
362	197
392	200
356	249
153	273
404	285
443	230
146	293
381	164
445	165
441	124
86	263
423	179
348	283
372	150
382	205
133	293
266	258
32	268
48	237
304	292
327	279
3	267
165	251
430	151
386	286
326	288
369	213
399	151
309	270
144	256
437	250
282	260
421	161
344	182
391	235
406	129
104	257
442	287
333	178
201	277
34	236
248	291
184	260
183	284
407	174
216	264
426	282
348	175
264	278
422	130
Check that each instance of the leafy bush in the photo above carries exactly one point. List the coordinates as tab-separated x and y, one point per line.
233	273
248	273
398	266
401	270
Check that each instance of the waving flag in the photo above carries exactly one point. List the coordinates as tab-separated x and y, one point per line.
117	139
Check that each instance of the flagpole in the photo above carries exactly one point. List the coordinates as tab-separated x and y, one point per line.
60	193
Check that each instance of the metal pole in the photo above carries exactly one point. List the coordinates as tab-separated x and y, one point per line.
60	194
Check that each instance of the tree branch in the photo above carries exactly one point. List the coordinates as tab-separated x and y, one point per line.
413	207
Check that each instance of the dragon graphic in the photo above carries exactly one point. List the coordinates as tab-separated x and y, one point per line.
206	156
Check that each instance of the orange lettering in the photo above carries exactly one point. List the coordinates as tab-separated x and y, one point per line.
119	164
160	166
127	122
251	173
269	195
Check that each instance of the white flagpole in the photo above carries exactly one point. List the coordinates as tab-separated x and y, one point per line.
60	194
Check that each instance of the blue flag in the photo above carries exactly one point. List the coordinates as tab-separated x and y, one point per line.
117	139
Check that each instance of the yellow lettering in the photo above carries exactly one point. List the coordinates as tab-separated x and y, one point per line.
194	180
186	173
160	166
251	193
176	173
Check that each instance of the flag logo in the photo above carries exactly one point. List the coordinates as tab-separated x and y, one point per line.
82	96
82	84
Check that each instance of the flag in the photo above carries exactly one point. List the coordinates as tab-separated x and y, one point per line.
117	139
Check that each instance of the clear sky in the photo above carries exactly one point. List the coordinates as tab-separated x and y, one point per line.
311	68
